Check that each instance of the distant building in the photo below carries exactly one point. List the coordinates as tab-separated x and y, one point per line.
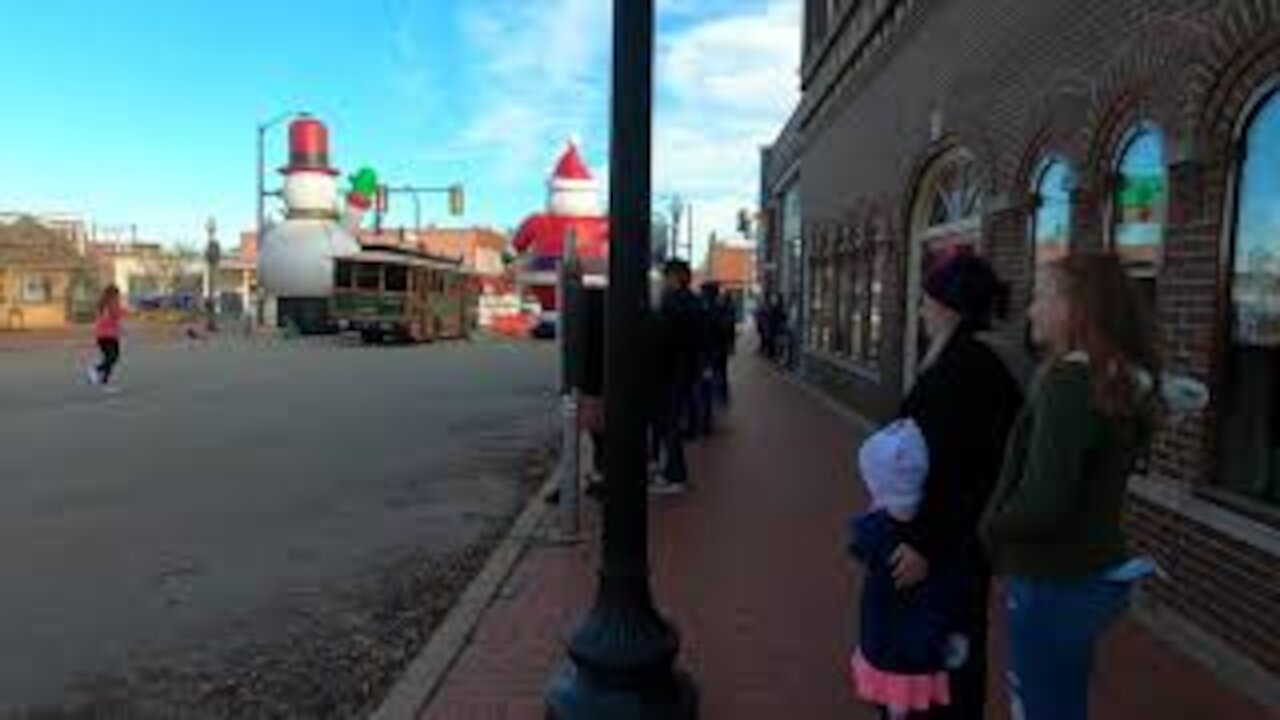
145	270
45	282
733	266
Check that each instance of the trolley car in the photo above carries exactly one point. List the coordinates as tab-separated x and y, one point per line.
402	295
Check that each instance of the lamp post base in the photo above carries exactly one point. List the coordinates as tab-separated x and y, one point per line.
578	695
622	664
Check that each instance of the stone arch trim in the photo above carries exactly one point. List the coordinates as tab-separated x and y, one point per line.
937	153
1145	82
926	162
1243	56
1051	129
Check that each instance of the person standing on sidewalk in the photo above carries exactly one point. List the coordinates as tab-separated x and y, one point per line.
724	331
964	400
764	330
1054	527
106	331
713	378
677	330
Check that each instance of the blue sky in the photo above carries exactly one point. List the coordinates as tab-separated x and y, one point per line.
143	112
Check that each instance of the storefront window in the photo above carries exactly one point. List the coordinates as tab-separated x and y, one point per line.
1250	432
846	303
851	319
875	313
1052	223
36	289
1139	205
843	312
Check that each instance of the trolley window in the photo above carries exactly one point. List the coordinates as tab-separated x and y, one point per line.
397	278
369	276
342	275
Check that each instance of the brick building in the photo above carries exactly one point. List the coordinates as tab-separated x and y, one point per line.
45	280
733	266
1024	130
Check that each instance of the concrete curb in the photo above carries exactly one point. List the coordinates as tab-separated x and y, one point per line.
423	678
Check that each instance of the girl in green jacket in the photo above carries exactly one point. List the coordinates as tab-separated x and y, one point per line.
1053	527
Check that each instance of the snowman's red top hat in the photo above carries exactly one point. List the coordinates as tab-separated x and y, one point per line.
308	147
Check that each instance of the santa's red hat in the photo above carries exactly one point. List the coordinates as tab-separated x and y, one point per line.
571	172
308	147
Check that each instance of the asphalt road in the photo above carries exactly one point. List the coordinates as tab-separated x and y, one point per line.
229	484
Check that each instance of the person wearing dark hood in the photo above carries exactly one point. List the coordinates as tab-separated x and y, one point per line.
677	332
965	400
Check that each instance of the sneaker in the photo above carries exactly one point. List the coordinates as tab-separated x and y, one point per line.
91	373
662	486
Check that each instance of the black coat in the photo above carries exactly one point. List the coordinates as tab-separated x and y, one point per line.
965	404
678	339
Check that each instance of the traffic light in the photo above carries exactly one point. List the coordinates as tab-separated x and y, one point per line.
744	222
457	201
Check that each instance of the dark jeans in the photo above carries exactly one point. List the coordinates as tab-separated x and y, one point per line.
720	378
110	348
704	403
690	409
1053	631
669	434
597	452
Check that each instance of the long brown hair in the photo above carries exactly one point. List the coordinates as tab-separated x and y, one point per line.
1109	320
110	296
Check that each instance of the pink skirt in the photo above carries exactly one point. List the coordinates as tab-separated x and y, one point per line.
898	692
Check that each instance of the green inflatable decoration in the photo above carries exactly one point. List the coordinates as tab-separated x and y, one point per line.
365	182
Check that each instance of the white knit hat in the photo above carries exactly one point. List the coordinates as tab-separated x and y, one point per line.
894	463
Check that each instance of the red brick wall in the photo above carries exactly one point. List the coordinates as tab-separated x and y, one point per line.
1223	586
1014	81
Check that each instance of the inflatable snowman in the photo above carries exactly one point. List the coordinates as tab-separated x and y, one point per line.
295	261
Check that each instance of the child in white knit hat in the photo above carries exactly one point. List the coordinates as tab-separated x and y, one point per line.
905	643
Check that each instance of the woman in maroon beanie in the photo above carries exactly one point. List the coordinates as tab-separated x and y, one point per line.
964	400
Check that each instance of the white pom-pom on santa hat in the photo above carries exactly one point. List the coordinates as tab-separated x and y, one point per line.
573	190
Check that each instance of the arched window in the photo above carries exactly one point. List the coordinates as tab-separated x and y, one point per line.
1250	409
1051	226
1139	205
946	219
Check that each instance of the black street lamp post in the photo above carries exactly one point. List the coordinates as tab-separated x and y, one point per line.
622	656
212	258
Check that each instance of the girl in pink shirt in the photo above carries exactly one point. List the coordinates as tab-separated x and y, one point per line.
107	331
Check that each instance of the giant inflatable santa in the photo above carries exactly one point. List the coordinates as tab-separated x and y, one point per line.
573	206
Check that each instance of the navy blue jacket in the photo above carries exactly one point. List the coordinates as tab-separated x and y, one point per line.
901	631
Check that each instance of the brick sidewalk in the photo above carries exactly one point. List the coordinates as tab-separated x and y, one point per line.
751	567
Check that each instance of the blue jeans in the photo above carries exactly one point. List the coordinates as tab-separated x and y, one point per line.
1053	630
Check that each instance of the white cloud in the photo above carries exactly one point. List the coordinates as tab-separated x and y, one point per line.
726	80
543	77
726	86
